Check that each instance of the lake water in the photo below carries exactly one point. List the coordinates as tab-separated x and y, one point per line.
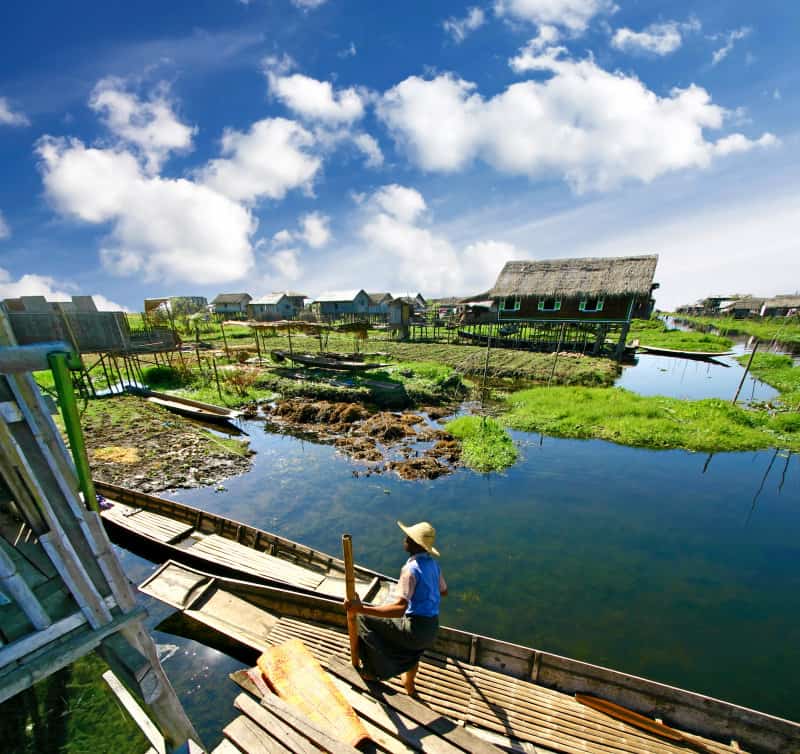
677	566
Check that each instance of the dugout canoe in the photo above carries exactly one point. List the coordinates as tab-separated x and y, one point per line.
326	361
206	412
678	354
514	695
160	529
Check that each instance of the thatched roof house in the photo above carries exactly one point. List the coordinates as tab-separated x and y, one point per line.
614	288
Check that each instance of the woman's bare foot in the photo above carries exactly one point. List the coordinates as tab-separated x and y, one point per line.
409	679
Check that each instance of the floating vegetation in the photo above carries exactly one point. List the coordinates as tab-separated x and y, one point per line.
486	446
626	418
653	332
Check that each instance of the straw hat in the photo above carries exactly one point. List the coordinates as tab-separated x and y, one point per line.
423	534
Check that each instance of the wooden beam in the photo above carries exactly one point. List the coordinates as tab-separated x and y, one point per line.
151	732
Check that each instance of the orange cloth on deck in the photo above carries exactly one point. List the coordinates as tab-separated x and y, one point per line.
297	678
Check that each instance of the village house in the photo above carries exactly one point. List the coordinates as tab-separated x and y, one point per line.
379	302
743	308
334	303
600	295
231	303
781	306
417	301
281	305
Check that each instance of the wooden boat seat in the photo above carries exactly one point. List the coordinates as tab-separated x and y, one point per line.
163	529
227	552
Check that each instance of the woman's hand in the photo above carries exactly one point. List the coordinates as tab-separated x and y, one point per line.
353	606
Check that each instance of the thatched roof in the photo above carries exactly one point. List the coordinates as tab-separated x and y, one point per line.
780	302
231	298
606	276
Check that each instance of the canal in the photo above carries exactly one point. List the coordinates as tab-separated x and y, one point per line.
677	566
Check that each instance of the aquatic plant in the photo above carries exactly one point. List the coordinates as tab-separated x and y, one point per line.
626	418
779	371
653	332
485	445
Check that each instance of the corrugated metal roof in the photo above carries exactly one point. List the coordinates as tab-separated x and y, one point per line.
330	296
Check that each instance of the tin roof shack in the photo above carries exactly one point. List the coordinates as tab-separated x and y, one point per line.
578	296
379	302
743	308
781	306
334	303
231	303
275	306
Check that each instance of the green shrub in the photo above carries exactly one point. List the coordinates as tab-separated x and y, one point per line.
163	377
485	445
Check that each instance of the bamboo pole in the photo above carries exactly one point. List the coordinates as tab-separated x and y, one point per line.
746	370
216	377
350	592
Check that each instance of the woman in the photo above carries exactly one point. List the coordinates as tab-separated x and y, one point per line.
392	637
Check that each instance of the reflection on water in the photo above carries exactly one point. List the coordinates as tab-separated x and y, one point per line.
693	380
677	566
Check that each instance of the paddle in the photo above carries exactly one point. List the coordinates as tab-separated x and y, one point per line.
350	592
641	722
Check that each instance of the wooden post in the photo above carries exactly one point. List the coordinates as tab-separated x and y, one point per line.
258	345
746	370
350	592
555	360
224	339
216	377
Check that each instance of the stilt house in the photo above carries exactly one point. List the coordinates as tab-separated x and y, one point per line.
601	295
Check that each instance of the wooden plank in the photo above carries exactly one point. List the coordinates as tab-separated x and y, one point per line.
151	732
278	729
226	747
251	738
230	553
303	725
413	709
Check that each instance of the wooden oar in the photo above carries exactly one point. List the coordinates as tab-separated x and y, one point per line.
350	592
641	722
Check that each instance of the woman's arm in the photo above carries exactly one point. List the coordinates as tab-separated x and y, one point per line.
391	610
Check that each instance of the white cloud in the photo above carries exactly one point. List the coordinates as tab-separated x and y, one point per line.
308	4
272	158
572	14
658	39
10	118
593	127
5	230
738	143
316	100
282	238
370	149
348	52
150	126
286	264
161	229
459	28
418	257
50	288
315	230
731	38
402	203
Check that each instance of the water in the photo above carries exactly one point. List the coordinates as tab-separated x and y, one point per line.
694	380
677	566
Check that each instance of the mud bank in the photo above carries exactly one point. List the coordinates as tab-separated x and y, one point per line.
406	443
137	444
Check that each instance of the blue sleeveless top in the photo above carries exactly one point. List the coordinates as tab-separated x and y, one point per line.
426	598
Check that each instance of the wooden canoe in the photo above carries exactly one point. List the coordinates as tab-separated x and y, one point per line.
206	412
678	354
327	361
161	529
508	690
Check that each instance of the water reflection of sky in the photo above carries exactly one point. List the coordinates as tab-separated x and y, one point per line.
693	380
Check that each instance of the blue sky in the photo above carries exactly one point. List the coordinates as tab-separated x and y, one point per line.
151	149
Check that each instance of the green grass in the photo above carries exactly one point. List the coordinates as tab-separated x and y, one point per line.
782	329
485	445
623	417
654	332
778	371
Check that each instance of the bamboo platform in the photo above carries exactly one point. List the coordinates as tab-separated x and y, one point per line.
517	712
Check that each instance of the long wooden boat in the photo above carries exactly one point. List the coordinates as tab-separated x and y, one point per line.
161	529
678	354
323	361
517	695
206	412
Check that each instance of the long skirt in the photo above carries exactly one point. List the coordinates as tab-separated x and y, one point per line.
391	646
